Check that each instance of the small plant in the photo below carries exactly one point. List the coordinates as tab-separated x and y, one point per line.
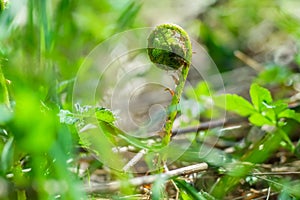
169	47
262	112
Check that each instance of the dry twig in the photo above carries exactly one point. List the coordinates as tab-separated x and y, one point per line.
135	159
248	61
115	185
211	124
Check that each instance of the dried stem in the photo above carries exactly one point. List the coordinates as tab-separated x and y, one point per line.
248	61
116	185
210	124
135	159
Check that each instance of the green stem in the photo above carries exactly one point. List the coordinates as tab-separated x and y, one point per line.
43	24
4	97
172	108
21	194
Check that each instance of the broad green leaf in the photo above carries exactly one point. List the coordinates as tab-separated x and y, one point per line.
279	106
269	113
259	95
258	119
104	121
291	114
111	131
234	103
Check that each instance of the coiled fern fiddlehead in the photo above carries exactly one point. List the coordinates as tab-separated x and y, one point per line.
169	48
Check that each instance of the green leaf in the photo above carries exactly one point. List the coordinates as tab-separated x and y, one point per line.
184	196
293	189
158	189
259	95
104	114
7	155
111	131
279	106
191	191
258	119
289	144
201	90
291	114
274	74
66	117
269	113
62	86
234	103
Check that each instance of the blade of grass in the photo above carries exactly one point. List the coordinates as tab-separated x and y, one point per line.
191	191
158	188
128	15
4	97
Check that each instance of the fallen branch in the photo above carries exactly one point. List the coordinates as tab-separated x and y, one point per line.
274	173
249	61
135	159
116	185
211	124
224	123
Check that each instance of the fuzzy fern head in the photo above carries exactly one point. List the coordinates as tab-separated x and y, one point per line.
169	47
